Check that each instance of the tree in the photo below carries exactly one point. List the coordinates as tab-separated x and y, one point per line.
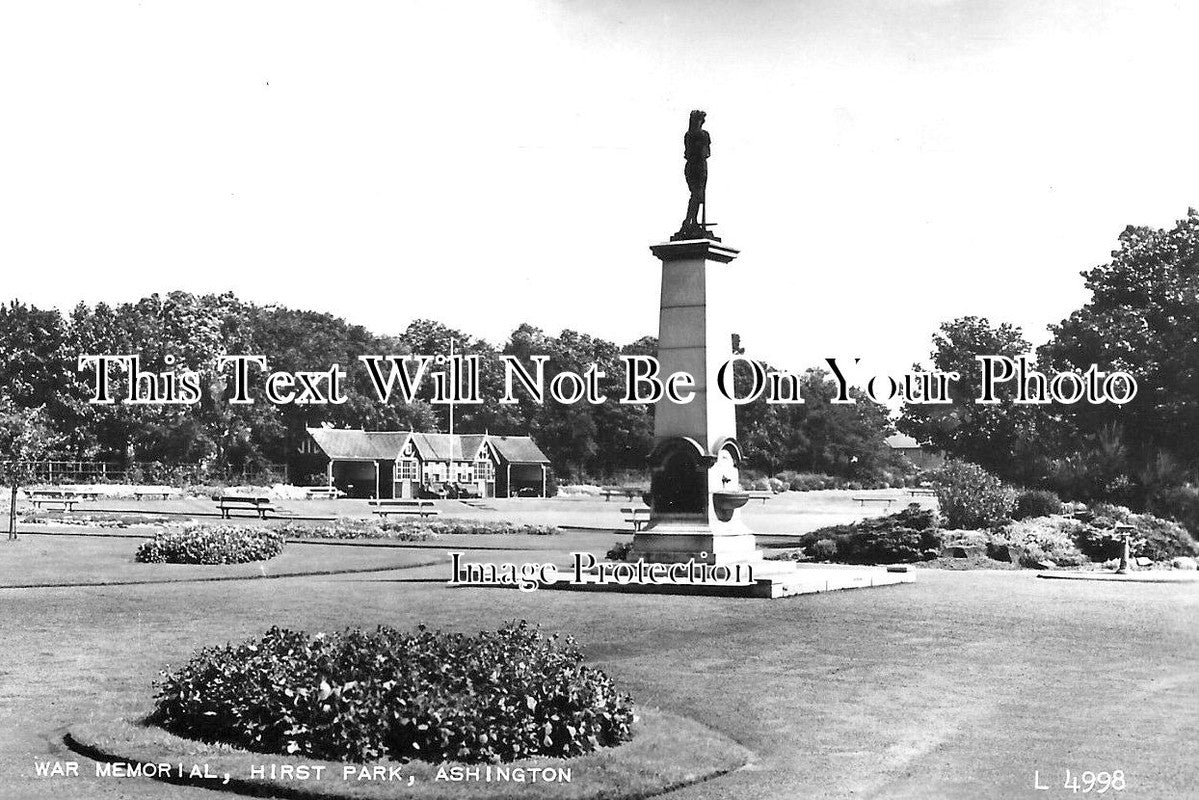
1003	437
25	439
1143	318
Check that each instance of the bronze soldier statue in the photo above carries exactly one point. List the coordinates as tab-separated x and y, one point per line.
697	146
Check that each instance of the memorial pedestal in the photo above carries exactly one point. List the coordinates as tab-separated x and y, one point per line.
695	486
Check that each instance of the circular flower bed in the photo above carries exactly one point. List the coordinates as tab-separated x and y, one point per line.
365	695
207	544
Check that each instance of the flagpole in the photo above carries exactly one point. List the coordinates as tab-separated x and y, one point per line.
451	372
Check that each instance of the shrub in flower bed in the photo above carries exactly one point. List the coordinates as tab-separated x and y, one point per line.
1036	503
352	528
910	535
970	497
1152	537
93	519
478	526
1032	541
210	544
823	550
366	695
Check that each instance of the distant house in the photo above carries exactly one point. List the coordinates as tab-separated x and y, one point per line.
910	448
405	464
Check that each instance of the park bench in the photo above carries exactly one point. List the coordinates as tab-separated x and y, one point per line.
763	496
66	504
143	494
922	492
627	492
260	504
862	501
637	516
421	508
324	493
64	494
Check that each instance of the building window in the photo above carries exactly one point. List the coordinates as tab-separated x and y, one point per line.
407	471
485	470
465	473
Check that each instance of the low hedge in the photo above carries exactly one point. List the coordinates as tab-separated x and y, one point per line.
409	530
210	544
366	695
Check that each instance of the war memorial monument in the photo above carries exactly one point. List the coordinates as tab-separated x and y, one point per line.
695	495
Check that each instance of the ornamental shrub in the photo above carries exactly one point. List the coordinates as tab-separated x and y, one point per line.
1036	503
903	537
970	497
210	544
1152	537
1032	541
824	550
367	695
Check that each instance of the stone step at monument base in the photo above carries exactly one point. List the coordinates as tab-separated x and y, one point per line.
771	580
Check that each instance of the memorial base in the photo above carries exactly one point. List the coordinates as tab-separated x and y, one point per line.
677	543
772	580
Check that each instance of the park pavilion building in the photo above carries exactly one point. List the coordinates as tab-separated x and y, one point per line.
405	464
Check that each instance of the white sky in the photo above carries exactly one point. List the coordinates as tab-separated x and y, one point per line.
883	166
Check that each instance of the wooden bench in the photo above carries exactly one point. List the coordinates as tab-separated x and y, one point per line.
142	494
919	492
627	492
763	496
260	504
421	508
324	493
66	504
63	494
637	516
862	501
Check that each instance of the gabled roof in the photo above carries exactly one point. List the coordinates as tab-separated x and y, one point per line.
359	444
371	445
438	447
518	449
900	441
471	442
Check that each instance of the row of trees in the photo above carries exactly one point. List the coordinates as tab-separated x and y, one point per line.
39	351
1142	318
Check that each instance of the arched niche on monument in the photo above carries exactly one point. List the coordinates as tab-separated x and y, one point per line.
679	477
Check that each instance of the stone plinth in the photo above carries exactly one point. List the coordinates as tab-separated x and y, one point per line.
772	580
695	484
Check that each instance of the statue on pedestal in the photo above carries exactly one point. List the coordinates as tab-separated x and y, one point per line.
697	146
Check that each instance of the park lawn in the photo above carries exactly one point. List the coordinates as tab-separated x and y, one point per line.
784	513
960	685
665	752
87	558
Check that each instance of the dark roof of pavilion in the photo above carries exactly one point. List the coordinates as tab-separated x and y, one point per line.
355	444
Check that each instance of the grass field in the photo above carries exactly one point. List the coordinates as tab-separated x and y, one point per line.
960	685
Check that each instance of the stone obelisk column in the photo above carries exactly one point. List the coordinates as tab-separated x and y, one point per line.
695	492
